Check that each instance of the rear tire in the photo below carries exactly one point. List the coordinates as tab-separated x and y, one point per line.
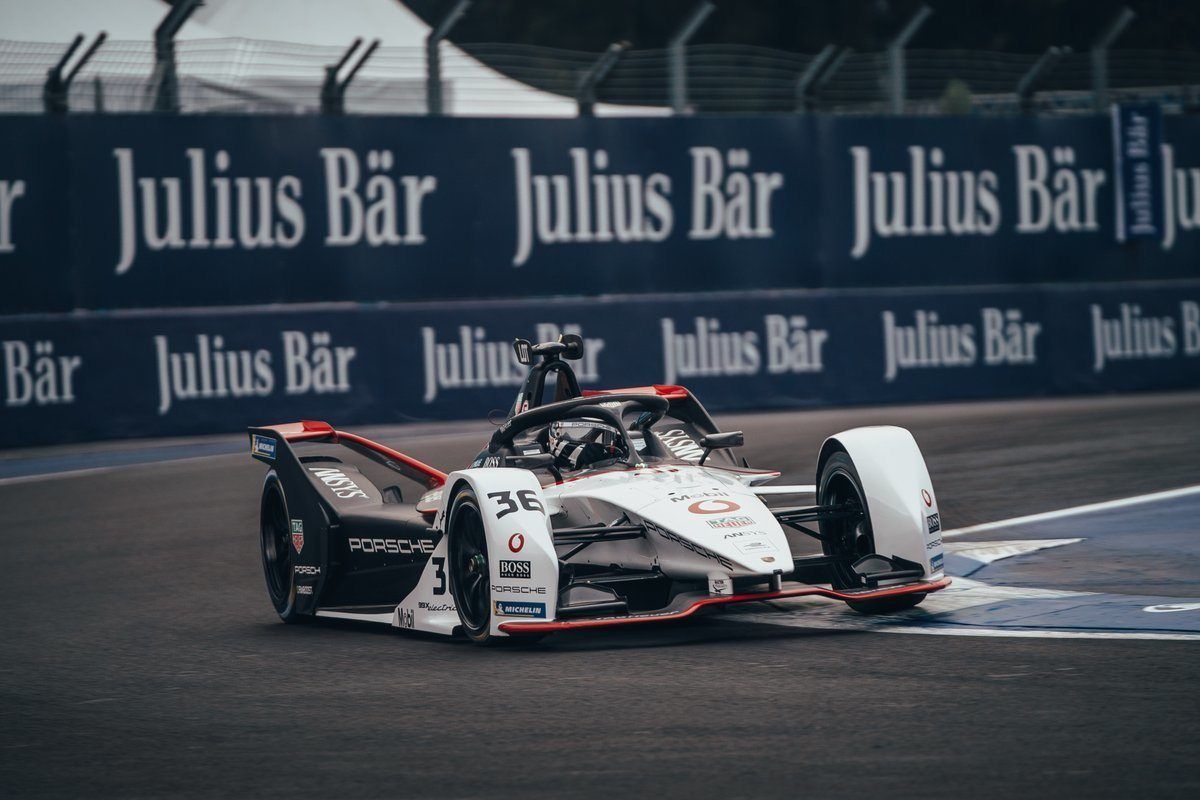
275	541
849	539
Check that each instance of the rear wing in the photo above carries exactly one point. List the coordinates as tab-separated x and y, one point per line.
271	443
685	406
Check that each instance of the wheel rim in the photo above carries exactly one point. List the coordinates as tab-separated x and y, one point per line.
847	538
469	578
276	544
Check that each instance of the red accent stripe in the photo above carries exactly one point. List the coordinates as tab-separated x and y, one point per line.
436	476
300	431
606	622
670	392
311	429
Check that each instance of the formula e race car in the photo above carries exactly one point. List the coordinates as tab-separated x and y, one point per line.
585	509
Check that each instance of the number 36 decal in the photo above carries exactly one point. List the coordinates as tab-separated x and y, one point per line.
527	497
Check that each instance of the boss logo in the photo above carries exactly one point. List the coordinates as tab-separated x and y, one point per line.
515	569
934	521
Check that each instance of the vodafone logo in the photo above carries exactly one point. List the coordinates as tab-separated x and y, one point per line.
713	507
516	542
927	497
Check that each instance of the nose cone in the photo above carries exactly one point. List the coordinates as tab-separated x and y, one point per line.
697	530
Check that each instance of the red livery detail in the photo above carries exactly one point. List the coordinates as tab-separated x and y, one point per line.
308	429
668	391
923	587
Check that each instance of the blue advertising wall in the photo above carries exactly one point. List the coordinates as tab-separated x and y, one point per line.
168	275
109	211
97	374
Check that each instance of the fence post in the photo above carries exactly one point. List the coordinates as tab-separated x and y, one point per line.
165	80
895	51
333	90
1041	70
54	92
58	86
810	73
678	57
433	57
827	74
1100	57
585	95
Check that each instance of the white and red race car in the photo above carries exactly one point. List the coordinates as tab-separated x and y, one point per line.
586	510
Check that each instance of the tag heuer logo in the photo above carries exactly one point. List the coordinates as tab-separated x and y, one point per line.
298	534
731	522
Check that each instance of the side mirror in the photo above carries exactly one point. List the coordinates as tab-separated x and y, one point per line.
720	441
524	351
534	461
574	343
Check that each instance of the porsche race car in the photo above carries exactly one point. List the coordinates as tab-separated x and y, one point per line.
586	509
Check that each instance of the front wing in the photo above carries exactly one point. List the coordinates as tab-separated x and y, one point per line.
686	605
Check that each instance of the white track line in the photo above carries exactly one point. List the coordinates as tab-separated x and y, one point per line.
1068	512
75	473
70	473
1055	634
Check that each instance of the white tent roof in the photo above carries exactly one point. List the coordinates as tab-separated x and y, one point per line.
273	51
60	20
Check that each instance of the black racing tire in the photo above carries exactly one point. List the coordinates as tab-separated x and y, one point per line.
278	560
848	539
470	581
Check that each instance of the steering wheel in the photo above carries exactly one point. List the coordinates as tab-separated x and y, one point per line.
579	407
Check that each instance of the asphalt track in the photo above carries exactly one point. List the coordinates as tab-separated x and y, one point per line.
141	658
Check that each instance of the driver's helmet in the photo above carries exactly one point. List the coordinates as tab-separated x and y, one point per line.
578	444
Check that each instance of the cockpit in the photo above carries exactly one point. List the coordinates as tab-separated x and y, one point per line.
575	431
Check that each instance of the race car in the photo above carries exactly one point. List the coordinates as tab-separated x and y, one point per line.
586	509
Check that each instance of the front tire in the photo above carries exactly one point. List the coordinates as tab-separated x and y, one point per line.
470	579
849	538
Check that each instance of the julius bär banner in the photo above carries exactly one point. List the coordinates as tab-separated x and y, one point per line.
100	375
110	212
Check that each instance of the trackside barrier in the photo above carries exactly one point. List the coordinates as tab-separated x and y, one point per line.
110	211
93	375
